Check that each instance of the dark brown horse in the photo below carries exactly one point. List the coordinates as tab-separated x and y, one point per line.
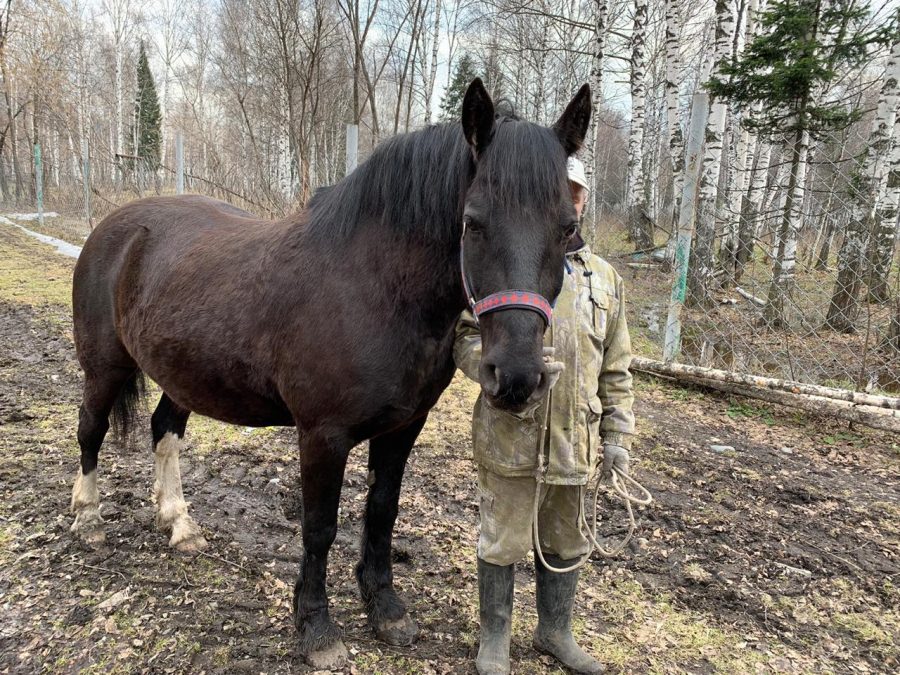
338	320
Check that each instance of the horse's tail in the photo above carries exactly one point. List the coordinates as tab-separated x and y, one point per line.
128	404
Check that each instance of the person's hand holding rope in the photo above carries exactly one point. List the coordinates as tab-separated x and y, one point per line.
614	457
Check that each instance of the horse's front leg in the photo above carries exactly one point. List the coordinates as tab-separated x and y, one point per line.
322	461
386	612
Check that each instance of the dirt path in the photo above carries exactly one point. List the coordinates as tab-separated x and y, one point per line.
781	555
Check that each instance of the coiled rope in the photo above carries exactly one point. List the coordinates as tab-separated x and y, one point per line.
620	483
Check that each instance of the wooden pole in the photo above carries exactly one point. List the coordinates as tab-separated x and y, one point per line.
86	181
179	163
352	148
39	183
889	404
686	219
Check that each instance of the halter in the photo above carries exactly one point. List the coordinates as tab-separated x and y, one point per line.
510	299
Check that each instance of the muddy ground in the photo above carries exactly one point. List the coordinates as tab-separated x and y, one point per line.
781	555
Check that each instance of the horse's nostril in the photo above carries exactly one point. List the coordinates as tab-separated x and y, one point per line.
490	379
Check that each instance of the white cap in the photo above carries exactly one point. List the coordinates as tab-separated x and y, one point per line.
576	172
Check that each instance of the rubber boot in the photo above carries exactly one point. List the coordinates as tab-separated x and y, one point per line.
553	635
495	602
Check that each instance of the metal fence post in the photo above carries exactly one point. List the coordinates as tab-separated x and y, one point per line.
86	182
352	147
39	183
686	218
179	162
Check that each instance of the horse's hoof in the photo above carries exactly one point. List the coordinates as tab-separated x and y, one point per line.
332	657
88	527
195	544
187	537
399	633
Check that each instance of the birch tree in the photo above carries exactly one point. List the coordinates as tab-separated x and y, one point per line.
700	277
601	10
806	46
640	227
884	227
673	117
122	20
844	307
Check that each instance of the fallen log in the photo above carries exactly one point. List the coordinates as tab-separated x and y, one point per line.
759	302
677	370
877	418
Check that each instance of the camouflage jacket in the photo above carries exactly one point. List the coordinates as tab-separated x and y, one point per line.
590	405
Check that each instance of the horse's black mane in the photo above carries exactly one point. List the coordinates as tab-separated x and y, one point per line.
415	181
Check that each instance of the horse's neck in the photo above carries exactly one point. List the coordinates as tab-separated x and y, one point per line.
419	274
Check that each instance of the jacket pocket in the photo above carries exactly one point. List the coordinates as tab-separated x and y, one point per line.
504	443
600	305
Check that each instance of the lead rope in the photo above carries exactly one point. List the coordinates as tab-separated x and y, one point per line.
620	482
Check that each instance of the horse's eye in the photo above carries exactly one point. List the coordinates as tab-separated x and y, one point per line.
471	224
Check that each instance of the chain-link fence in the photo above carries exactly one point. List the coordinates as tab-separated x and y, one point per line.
830	327
801	279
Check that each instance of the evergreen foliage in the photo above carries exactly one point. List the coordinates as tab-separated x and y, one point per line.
451	105
803	47
146	132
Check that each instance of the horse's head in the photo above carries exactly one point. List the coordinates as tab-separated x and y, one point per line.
518	219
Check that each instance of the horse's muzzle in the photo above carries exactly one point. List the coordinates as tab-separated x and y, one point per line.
510	386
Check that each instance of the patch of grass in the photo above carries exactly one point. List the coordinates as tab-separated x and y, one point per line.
650	633
843	438
740	409
21	280
861	628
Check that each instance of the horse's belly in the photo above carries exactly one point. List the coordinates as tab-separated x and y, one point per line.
225	402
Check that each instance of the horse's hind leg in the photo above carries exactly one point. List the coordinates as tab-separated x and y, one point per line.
387	460
168	424
323	457
101	388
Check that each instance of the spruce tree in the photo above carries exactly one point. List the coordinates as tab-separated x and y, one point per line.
463	74
803	47
146	132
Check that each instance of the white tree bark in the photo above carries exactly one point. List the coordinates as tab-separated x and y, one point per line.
120	16
673	116
884	225
640	227
741	169
884	236
432	71
601	9
785	263
701	278
844	307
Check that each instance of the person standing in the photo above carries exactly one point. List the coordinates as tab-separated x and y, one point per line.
590	420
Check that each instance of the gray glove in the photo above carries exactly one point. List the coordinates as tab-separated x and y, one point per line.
552	368
614	456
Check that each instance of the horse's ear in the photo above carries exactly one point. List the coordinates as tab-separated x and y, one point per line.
572	125
477	116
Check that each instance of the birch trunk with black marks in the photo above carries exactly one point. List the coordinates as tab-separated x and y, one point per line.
844	308
640	227
782	284
700	278
742	170
673	120
751	208
884	230
432	71
601	10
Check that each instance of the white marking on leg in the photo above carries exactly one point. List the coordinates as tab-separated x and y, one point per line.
172	510
86	507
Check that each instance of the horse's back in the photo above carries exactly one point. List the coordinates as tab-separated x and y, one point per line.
139	239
